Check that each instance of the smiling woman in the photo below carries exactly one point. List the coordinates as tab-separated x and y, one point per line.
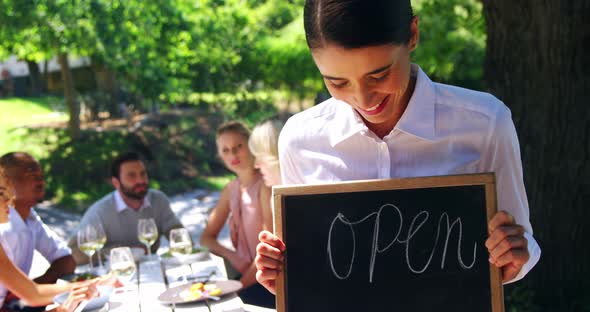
387	119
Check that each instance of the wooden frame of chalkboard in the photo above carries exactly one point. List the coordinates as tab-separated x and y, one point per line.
369	266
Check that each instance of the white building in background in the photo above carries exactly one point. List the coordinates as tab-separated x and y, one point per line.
14	76
18	68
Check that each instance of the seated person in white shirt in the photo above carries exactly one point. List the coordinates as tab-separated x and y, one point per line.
386	119
25	231
13	279
119	211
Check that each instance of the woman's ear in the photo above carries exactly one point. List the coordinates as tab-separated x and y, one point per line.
415	34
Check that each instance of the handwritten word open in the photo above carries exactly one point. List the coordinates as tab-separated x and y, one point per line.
417	223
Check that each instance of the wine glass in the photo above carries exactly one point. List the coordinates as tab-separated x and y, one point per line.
87	241
101	240
180	245
147	233
180	242
122	263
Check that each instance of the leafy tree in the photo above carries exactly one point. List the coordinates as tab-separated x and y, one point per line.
40	29
452	41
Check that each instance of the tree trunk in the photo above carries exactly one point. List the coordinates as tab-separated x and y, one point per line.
537	63
107	84
36	79
70	97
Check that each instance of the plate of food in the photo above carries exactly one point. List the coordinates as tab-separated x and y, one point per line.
195	292
104	292
197	254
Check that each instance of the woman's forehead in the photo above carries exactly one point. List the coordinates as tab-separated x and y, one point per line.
230	137
334	61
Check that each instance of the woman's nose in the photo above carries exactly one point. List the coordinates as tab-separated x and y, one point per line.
363	98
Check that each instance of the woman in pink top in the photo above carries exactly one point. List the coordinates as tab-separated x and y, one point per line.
245	201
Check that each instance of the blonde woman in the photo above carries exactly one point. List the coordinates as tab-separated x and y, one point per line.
19	284
263	144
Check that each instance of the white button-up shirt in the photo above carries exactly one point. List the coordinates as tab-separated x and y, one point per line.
20	238
121	205
444	130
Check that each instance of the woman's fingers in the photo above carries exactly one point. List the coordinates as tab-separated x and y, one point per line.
500	218
501	233
267	278
272	240
263	262
507	245
269	260
266	250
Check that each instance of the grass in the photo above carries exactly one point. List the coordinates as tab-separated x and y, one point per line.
18	112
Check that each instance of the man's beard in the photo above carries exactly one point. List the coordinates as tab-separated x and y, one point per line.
137	195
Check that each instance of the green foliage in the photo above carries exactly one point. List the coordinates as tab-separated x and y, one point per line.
452	41
158	48
37	30
144	42
520	298
285	61
250	107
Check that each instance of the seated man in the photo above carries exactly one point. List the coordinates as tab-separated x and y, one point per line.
119	211
25	232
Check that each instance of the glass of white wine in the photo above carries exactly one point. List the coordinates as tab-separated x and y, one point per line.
180	245
122	264
180	242
147	233
101	240
87	241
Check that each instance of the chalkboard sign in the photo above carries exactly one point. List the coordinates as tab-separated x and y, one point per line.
413	244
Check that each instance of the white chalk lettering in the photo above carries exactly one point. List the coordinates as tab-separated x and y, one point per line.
415	225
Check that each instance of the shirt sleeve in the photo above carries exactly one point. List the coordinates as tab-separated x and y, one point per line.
290	173
49	244
511	194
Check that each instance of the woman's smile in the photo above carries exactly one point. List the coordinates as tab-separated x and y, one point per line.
374	110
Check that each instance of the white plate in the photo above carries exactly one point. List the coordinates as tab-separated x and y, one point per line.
95	303
178	294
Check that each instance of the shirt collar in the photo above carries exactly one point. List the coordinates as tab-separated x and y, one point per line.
17	223
121	205
347	121
417	119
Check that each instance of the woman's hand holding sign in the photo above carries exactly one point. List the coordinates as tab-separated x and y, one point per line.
507	245
269	260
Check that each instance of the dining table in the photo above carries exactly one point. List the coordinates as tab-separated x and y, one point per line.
155	276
